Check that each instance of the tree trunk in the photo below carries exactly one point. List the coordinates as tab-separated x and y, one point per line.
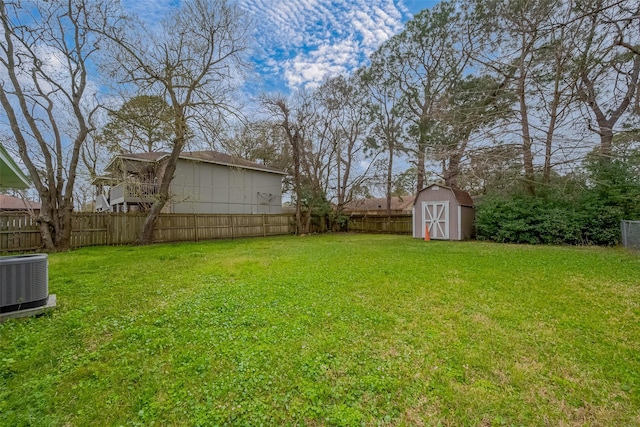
307	223
555	104
422	146
146	236
295	143
344	183
389	178
527	158
546	175
527	154
47	228
606	142
452	172
421	171
606	124
35	107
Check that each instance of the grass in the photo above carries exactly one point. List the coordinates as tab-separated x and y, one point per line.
330	330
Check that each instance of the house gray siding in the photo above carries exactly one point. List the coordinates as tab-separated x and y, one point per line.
200	188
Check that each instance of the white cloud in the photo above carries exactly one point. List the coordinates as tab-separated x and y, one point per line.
150	12
309	69
306	41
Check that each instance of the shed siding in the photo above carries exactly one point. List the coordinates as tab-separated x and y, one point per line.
460	218
468	218
200	187
439	195
413	223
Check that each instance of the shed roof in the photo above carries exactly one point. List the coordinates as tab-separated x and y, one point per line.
202	156
463	198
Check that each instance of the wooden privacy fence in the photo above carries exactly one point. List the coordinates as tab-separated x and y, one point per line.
20	233
394	224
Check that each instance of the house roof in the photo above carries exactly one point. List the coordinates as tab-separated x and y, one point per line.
105	180
377	204
463	198
10	174
201	156
136	157
227	160
10	203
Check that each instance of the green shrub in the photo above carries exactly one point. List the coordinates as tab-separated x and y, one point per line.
581	209
522	219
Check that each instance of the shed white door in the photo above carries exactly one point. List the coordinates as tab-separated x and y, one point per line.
436	217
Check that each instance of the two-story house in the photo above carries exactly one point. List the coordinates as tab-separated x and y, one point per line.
204	182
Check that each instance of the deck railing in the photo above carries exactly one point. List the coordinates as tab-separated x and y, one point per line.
130	190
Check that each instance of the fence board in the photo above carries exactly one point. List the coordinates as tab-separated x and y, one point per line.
630	234
393	224
20	232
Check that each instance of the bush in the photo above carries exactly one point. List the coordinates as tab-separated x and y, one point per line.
522	219
577	210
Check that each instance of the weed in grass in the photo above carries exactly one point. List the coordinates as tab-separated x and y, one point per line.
329	330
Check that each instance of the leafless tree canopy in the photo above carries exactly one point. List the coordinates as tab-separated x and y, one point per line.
46	54
193	61
476	93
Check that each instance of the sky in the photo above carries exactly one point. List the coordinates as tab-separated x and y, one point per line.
301	42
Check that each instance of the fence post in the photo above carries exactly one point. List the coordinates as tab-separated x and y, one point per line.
195	226
264	227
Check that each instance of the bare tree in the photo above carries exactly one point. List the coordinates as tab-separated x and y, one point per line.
261	141
46	97
319	159
608	70
342	111
424	62
519	31
555	88
469	107
386	122
193	62
293	117
538	44
627	23
142	123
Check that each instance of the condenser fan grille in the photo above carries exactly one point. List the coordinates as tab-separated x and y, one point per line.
23	282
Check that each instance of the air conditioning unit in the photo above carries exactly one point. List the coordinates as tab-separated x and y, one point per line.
24	282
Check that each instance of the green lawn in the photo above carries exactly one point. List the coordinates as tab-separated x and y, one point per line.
330	330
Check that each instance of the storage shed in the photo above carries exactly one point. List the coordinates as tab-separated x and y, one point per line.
446	211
